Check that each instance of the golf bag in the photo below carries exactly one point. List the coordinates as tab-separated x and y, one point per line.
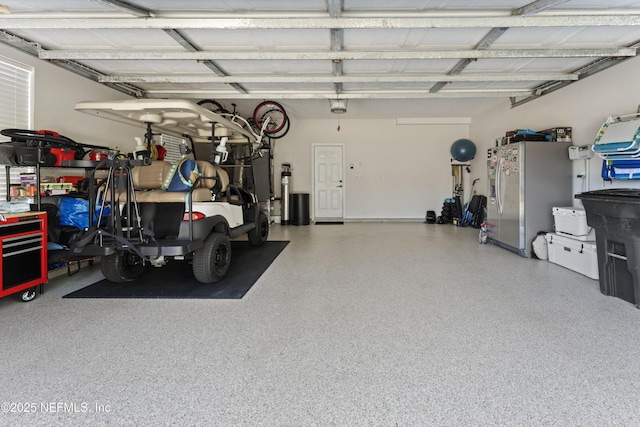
477	206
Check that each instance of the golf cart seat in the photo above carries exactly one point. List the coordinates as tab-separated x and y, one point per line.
148	182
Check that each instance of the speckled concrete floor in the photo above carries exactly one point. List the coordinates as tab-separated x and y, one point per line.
360	324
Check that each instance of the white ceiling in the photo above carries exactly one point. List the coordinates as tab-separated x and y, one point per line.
405	58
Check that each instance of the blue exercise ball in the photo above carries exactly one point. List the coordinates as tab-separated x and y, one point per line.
463	150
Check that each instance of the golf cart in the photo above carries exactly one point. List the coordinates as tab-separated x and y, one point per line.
162	211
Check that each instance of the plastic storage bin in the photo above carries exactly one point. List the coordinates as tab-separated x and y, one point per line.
615	215
576	255
572	222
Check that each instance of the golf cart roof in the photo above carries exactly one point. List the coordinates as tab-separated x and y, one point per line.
175	117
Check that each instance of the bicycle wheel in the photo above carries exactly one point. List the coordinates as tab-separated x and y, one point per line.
212	105
282	132
272	110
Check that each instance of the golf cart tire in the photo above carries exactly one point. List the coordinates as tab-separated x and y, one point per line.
122	267
211	262
258	236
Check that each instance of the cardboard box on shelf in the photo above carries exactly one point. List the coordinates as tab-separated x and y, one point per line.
18	191
28	178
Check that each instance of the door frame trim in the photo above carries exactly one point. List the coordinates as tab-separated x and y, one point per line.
313	178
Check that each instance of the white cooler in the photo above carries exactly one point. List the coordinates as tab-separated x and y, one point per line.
576	255
572	222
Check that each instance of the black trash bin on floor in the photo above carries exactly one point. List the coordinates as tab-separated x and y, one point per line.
615	216
300	209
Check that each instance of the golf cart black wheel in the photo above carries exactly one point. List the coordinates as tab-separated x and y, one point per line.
211	262
124	267
28	294
258	236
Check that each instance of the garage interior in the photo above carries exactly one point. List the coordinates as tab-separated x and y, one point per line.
379	319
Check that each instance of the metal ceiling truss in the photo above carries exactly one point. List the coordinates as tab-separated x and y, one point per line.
330	55
173	25
305	23
405	94
365	78
337	41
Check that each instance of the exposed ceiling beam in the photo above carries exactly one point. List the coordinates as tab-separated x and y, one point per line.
366	78
126	7
336	67
14	22
19	43
337	37
490	37
335	8
222	74
460	66
213	67
436	87
183	41
239	87
328	55
412	94
337	40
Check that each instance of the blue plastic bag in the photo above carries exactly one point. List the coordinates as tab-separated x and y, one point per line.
74	212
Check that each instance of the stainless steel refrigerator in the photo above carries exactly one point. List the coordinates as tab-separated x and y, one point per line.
526	180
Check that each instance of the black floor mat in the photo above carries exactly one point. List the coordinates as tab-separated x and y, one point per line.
175	280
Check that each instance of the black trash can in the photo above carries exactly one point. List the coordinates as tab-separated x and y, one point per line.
300	209
615	216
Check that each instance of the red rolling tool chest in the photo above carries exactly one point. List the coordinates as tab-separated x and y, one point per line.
23	253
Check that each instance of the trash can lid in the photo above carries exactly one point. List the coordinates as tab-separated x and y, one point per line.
626	195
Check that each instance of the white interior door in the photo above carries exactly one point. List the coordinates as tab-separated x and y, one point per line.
328	168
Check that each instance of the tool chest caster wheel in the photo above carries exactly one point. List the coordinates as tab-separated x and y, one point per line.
28	295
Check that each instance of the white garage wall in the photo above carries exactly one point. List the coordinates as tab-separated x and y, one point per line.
584	105
399	171
55	94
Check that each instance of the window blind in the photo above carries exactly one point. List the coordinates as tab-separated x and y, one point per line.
16	111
